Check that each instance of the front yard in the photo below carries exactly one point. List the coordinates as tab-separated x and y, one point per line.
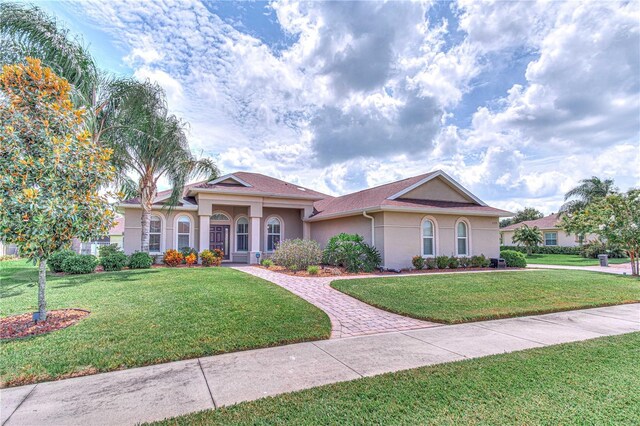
456	298
580	383
569	260
147	317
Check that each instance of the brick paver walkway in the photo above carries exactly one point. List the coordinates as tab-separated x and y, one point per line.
349	316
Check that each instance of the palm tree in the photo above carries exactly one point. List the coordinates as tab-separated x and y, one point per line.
528	237
152	145
587	191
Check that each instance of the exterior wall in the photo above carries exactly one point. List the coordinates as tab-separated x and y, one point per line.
403	236
437	189
133	229
564	239
292	224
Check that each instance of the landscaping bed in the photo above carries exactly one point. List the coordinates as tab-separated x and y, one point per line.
456	298
17	326
143	317
589	382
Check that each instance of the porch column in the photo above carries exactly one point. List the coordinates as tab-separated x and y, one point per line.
204	232
255	240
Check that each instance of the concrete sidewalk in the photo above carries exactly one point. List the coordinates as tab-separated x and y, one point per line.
166	390
620	269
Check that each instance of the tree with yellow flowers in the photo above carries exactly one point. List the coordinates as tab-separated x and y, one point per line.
51	174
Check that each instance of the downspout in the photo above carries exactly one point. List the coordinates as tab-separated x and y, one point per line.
373	221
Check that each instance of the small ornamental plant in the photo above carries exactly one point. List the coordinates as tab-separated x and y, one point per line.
172	258
418	262
267	263
191	259
208	258
442	262
313	269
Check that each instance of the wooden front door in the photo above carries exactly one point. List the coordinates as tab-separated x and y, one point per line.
219	239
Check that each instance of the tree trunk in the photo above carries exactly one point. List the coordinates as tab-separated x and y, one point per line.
42	282
147	195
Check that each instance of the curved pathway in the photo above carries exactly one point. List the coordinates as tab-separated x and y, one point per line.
349	317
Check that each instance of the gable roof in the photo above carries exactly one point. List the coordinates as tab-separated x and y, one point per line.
389	197
547	222
258	184
164	195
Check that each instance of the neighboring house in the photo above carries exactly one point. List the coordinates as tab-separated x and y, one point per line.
116	236
552	235
8	249
245	214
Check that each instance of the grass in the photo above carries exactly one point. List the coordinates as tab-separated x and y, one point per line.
569	260
581	383
456	298
147	317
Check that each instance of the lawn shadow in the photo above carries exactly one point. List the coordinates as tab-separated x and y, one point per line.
102	277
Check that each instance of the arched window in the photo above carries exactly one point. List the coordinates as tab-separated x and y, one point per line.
219	216
184	232
242	234
155	234
462	237
273	233
428	240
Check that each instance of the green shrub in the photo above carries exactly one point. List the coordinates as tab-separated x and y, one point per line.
351	252
8	257
430	263
544	249
464	262
442	262
592	249
108	250
418	262
79	264
514	259
140	260
480	261
453	262
267	263
313	269
297	254
114	261
186	251
56	259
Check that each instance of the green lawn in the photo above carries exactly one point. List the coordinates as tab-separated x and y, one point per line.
148	317
591	382
569	260
455	298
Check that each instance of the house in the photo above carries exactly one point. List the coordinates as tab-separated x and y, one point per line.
552	235
115	236
247	214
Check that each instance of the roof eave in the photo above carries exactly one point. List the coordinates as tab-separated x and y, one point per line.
255	193
432	210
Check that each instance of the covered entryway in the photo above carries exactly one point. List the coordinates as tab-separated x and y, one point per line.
219	236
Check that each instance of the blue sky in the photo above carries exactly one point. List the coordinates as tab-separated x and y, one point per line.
518	101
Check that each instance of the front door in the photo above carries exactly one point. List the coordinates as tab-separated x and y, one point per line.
219	239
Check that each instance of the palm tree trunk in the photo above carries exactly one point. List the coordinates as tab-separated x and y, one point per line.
147	195
42	282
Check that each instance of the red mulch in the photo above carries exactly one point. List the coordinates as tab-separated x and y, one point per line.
23	326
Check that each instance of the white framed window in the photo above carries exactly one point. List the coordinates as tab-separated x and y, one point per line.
462	238
155	234
550	238
183	232
428	238
242	234
274	232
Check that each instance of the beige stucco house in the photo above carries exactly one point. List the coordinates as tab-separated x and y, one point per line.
245	214
552	234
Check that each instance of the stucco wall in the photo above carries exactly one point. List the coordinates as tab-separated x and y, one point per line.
133	228
403	236
437	189
292	224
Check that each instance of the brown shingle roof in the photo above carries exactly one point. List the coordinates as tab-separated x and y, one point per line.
261	184
547	222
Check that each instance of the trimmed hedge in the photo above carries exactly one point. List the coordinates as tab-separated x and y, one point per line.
140	260
114	261
56	259
514	259
80	264
544	249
